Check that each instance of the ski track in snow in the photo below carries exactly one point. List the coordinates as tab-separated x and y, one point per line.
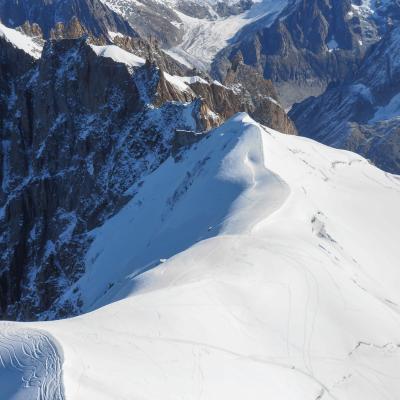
277	301
30	365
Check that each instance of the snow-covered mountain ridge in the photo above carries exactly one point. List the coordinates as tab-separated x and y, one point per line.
180	249
277	278
81	124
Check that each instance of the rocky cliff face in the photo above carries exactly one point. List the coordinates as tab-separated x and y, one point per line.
261	98
150	50
310	44
162	20
361	114
151	19
78	132
64	18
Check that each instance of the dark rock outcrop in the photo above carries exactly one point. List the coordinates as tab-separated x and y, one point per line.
312	43
76	133
151	19
362	113
150	50
261	98
225	10
64	18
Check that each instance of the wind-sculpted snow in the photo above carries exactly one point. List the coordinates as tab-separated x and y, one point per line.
273	275
30	365
219	187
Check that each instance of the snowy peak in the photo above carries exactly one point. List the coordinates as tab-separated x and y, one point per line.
183	240
220	186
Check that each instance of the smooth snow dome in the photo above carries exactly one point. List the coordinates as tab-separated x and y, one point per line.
21	41
275	275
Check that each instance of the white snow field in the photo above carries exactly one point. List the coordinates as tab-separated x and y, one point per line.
118	55
275	275
32	46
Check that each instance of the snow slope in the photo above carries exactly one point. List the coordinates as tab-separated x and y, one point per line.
32	46
277	278
119	55
30	365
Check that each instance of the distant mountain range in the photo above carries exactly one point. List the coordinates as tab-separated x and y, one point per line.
361	114
61	18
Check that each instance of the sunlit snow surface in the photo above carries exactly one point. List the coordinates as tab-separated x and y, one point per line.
32	46
277	278
118	55
30	365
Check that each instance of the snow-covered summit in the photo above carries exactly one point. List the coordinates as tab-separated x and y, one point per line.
273	274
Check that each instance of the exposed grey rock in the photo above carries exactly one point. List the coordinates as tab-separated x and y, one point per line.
312	43
64	18
260	96
226	10
150	19
362	113
153	19
76	134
